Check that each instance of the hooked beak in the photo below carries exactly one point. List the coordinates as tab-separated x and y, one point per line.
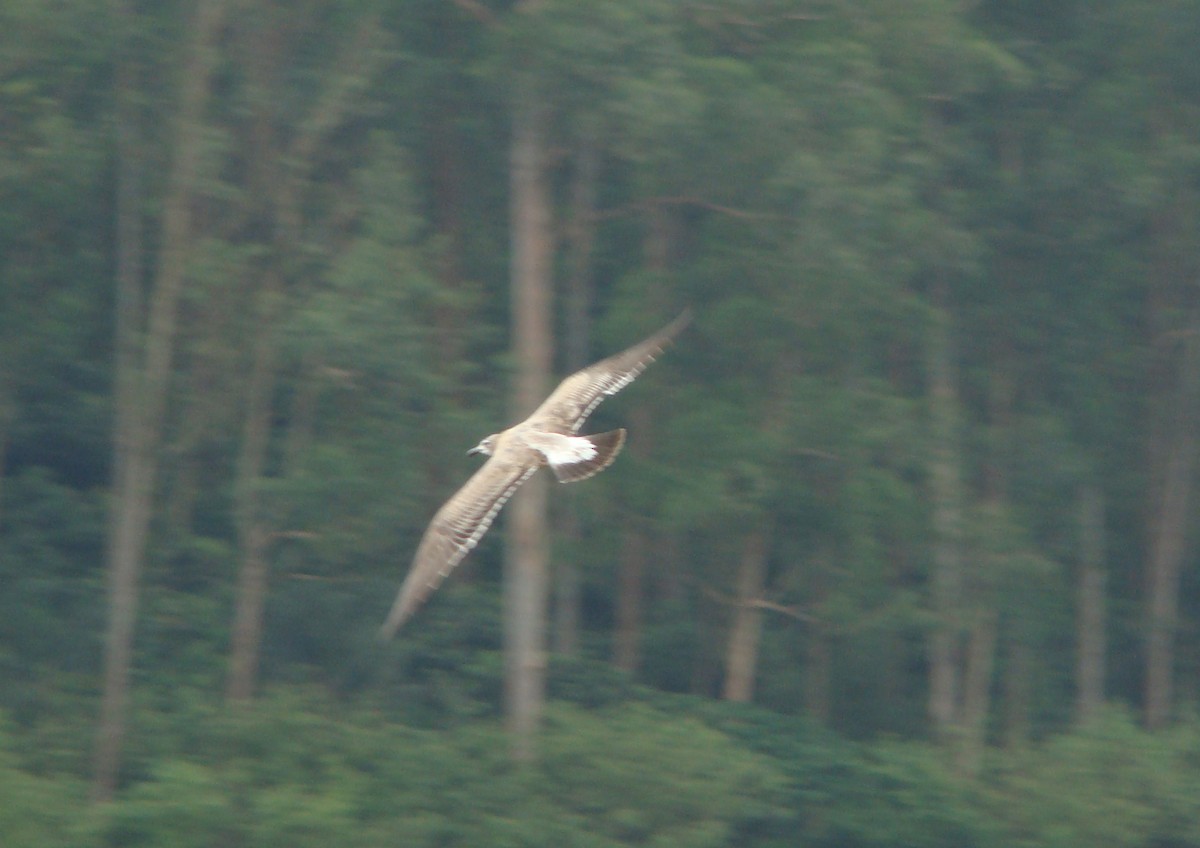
476	449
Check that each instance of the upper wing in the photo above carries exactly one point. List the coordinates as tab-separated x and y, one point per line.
456	528
576	396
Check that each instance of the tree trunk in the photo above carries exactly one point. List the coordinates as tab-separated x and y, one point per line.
252	526
635	545
818	643
280	192
1169	538
1018	690
198	418
1090	627
567	585
707	656
142	395
449	188
272	202
122	560
630	582
947	497
246	639
581	234
527	552
7	416
818	674
302	414
981	650
741	657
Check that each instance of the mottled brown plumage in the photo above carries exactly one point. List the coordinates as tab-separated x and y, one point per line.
547	437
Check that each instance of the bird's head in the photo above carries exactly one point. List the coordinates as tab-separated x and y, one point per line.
486	446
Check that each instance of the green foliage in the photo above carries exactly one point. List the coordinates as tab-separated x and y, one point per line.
35	810
298	771
1109	782
818	183
301	768
49	532
906	794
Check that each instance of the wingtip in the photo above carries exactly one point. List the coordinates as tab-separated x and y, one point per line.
401	611
681	320
388	630
668	333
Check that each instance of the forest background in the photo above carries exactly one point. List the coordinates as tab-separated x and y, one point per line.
901	551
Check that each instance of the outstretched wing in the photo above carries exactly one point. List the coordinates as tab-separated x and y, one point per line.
456	528
573	401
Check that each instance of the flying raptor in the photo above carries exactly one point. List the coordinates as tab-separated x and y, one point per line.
547	437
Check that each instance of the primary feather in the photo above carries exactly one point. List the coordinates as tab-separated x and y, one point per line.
547	437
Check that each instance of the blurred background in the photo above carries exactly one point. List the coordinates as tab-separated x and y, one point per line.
901	551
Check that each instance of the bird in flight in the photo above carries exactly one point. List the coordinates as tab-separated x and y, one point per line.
547	437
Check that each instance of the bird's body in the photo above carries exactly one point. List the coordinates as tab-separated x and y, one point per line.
547	437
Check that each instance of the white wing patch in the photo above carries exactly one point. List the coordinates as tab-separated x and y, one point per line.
559	448
546	437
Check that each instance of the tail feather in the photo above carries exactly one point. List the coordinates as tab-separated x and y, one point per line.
607	446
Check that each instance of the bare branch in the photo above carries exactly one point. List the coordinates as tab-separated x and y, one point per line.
683	200
294	534
758	603
323	578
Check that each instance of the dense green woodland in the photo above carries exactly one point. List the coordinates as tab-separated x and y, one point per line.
901	551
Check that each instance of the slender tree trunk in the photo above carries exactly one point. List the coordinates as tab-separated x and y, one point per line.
252	525
581	234
567	585
981	650
706	660
948	506
7	415
1169	539
272	203
669	581
1091	615
525	616
448	190
818	643
818	674
527	554
946	493
635	545
632	565
122	555
197	418
630	585
179	504
253	544
302	414
1018	689
139	421
741	657
279	191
